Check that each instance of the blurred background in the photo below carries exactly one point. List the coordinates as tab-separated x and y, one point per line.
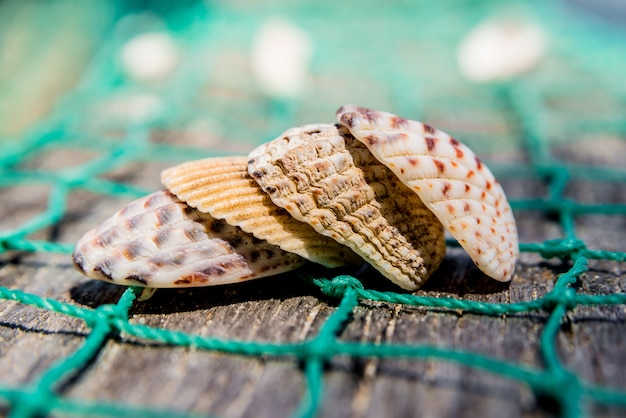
225	74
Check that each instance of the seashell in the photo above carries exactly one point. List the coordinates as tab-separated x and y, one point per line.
450	180
223	188
160	241
500	49
150	57
280	57
378	187
323	176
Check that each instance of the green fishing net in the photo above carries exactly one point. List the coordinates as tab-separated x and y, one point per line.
86	128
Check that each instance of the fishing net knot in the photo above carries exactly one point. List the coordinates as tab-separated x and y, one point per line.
33	403
561	248
559	382
563	296
338	286
109	314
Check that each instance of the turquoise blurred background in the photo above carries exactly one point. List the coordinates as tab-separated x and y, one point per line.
64	62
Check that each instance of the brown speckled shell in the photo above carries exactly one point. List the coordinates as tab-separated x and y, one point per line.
330	180
159	241
449	178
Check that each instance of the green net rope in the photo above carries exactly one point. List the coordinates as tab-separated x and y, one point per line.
199	25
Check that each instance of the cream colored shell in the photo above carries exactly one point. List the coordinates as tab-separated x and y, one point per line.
326	178
222	188
449	178
159	241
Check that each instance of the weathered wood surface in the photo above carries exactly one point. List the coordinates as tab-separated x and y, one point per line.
592	341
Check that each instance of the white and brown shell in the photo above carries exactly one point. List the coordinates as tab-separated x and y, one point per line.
160	241
449	178
323	176
378	188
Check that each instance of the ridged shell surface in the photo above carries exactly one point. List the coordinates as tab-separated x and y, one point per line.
449	178
223	188
328	179
159	241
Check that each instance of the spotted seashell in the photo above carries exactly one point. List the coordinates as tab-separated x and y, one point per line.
322	176
160	241
382	194
450	180
223	188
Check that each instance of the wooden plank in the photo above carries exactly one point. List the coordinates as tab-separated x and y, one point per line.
285	309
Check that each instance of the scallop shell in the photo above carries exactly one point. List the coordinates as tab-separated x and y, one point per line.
159	241
450	180
326	178
223	188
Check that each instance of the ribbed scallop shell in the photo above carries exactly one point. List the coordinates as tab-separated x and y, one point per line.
159	241
329	180
223	188
450	180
